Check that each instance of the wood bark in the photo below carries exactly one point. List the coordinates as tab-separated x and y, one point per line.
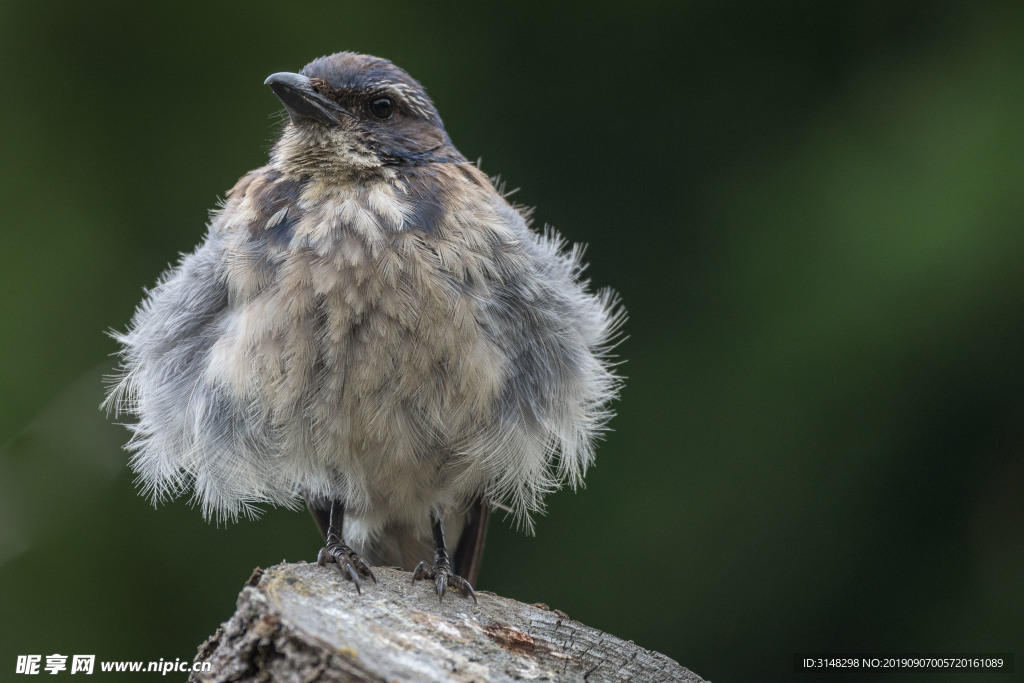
301	622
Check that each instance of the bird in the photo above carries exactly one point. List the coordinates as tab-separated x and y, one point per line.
371	327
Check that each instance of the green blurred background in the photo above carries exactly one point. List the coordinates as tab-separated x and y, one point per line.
813	212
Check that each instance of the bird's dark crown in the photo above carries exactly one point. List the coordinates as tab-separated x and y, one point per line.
352	79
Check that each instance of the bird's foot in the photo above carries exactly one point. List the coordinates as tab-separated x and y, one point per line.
347	560
443	577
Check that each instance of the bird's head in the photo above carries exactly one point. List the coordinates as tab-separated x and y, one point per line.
354	115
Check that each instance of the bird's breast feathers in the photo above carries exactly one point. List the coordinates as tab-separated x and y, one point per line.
342	301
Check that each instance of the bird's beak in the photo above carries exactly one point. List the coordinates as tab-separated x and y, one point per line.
302	102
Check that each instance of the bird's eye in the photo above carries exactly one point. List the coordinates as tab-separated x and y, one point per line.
382	108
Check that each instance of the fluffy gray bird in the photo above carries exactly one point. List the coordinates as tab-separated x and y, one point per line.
370	326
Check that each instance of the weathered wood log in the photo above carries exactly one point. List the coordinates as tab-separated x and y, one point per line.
301	622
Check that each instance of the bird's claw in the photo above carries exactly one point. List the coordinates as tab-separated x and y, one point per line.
443	577
347	560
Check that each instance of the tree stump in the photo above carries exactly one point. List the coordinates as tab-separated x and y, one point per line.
301	622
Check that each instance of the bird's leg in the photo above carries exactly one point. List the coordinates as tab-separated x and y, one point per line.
441	570
337	552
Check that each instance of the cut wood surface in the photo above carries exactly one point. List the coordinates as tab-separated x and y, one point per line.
301	622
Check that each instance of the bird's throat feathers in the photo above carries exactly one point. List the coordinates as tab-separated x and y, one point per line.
324	153
354	151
